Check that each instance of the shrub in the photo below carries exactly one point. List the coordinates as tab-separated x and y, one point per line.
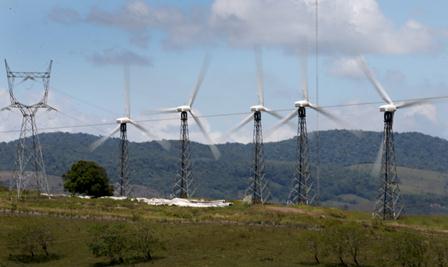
32	239
120	242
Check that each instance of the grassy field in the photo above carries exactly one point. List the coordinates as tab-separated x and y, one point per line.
239	235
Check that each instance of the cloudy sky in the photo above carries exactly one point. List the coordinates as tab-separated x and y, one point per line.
164	43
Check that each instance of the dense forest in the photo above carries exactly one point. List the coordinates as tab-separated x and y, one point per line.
345	170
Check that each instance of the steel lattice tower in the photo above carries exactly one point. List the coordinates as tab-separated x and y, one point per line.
302	183
258	187
124	166
29	165
184	178
388	201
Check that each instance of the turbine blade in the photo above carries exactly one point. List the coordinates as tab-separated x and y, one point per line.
239	126
260	78
377	164
201	76
376	84
304	75
168	110
127	101
326	113
163	143
411	103
103	139
274	114
282	122
213	148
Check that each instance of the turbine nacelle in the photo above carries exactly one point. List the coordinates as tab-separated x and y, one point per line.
184	108
302	104
123	120
388	108
258	108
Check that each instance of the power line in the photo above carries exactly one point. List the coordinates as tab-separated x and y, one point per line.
87	125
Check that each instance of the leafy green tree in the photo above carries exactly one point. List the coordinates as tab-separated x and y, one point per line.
87	177
32	239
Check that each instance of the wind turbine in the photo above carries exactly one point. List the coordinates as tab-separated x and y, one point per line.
388	201
302	181
122	128
257	187
184	179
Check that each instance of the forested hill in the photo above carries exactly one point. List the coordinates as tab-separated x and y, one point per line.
346	178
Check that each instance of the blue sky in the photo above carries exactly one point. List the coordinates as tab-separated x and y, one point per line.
165	42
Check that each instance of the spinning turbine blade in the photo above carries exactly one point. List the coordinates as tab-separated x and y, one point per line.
201	76
284	121
411	103
213	148
239	126
103	139
274	114
379	88
260	78
168	110
326	113
127	101
165	144
304	75
377	164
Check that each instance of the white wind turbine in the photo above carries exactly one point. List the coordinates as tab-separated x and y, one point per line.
122	127
302	182
257	190
182	185
388	201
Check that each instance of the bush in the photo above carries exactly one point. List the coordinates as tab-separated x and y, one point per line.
32	239
120	242
345	240
405	249
86	177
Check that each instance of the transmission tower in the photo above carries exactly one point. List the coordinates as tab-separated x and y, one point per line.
388	201
184	177
29	165
124	166
302	183
258	186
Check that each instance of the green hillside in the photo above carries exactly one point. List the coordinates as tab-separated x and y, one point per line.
346	179
238	235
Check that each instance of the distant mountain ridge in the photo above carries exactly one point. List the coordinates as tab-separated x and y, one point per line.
341	152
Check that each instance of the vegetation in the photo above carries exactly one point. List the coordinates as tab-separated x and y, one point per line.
30	242
346	170
101	232
88	178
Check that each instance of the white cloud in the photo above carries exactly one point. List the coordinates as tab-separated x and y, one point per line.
119	57
346	67
348	27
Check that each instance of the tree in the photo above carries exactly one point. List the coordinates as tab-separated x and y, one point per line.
31	239
87	177
313	240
